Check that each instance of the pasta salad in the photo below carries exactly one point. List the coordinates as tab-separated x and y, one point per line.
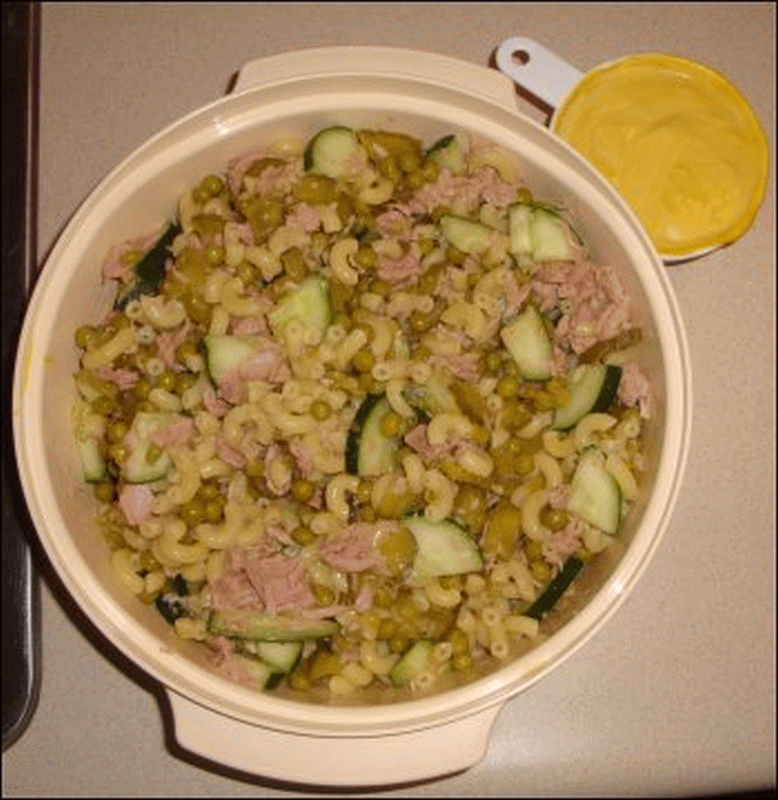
360	413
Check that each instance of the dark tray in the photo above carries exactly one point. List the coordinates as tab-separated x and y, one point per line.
21	669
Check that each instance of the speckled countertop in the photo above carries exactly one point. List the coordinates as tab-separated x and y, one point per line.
676	695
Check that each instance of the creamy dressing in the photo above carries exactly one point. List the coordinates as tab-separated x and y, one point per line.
678	141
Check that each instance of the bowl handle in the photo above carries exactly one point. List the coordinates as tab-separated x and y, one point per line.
380	61
332	761
540	71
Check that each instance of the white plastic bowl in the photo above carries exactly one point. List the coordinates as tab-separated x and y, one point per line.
298	94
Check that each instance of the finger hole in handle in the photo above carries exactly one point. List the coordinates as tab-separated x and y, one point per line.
536	69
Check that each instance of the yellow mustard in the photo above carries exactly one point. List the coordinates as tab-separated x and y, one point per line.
678	141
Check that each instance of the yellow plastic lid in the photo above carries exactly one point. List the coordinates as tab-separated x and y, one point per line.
680	143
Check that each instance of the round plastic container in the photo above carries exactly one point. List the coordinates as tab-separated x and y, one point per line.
678	141
297	94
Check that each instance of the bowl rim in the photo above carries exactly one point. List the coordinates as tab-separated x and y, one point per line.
174	672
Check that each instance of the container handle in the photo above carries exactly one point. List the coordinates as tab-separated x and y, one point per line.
379	61
332	760
539	71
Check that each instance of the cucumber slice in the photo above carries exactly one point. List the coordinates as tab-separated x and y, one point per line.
334	152
412	663
248	624
261	672
93	466
538	231
555	588
595	495
224	353
528	343
280	656
137	468
466	235
368	450
309	302
149	272
592	389
448	153
444	548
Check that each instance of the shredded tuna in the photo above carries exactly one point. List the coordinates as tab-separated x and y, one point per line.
302	456
114	268
212	403
304	216
232	589
137	502
464	367
635	390
401	271
229	454
558	496
122	378
168	341
281	582
354	550
563	543
178	432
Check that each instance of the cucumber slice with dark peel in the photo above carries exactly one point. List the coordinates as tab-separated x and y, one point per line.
538	231
224	353
149	272
261	672
93	466
140	466
413	662
368	450
334	152
309	302
444	548
280	656
257	625
593	388
529	344
467	235
448	153
595	495
549	597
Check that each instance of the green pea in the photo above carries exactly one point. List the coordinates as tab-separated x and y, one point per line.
461	661
119	453
303	535
166	381
320	410
247	272
213	510
409	161
184	381
116	431
540	570
391	424
554	518
303	489
507	386
365	257
192	513
141	389
363	360
104	491
148	563
324	595
208	490
84	335
212	185
214	254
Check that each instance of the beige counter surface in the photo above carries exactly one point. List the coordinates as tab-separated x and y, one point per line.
676	695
